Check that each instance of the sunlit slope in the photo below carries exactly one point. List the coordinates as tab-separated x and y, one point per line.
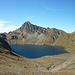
29	33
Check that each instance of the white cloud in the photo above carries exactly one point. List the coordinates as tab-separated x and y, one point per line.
53	9
3	22
6	28
30	17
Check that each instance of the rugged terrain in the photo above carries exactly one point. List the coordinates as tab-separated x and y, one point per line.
32	34
14	64
11	64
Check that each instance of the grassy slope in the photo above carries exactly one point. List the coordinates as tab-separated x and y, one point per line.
13	65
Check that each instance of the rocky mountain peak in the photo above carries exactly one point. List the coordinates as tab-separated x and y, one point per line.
27	22
26	25
29	33
31	28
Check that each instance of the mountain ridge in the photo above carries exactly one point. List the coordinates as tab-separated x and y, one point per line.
60	64
29	33
32	31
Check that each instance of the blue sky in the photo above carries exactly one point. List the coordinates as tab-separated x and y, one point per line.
58	14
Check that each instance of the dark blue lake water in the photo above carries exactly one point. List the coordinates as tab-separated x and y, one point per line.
35	51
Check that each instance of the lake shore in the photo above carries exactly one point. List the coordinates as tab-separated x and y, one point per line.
13	65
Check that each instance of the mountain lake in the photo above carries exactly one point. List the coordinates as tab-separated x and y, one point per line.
36	51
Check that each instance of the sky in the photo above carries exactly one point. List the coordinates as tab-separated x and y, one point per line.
58	14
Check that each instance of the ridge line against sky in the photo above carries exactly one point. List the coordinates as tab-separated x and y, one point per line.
58	14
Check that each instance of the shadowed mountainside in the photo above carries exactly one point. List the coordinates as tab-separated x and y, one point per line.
4	46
